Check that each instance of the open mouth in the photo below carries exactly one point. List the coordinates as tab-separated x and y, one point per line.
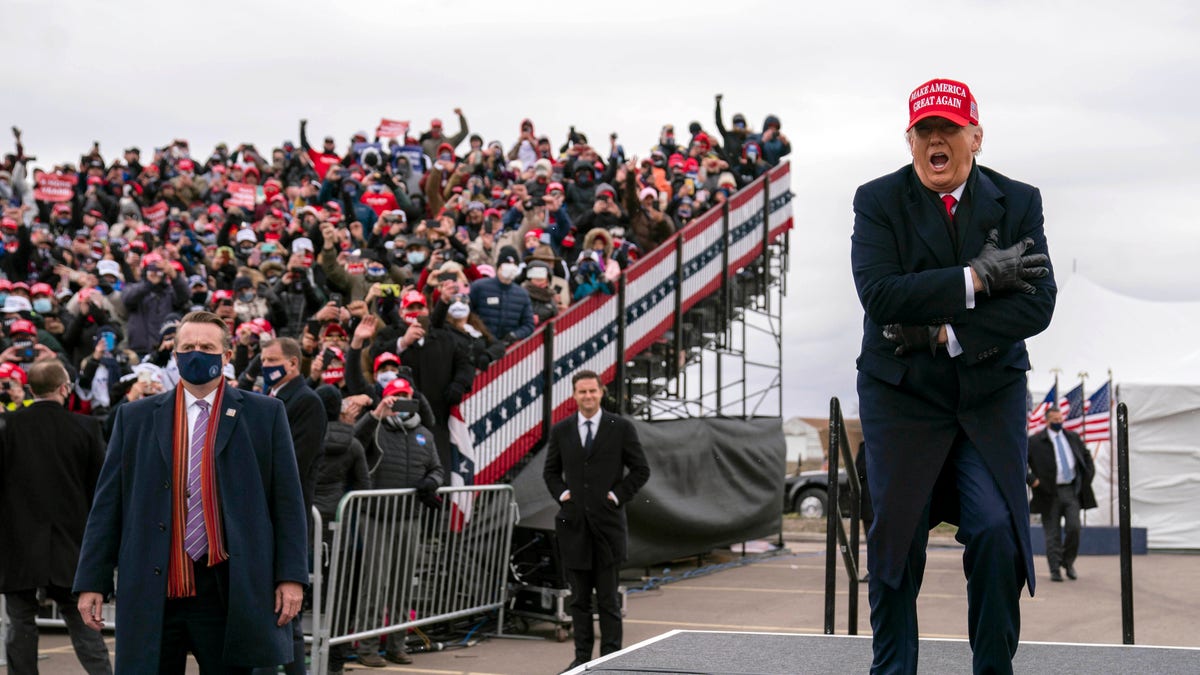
939	160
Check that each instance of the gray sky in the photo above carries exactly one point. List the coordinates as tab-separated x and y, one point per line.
1093	103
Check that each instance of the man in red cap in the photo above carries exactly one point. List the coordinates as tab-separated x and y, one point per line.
431	140
952	270
401	453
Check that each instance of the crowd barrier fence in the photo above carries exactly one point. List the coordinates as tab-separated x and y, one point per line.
395	563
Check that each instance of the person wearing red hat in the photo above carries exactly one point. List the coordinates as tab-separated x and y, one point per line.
12	387
434	138
323	159
401	453
952	270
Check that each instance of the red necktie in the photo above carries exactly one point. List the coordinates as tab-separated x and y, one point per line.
949	201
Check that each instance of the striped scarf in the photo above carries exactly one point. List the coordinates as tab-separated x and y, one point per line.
181	580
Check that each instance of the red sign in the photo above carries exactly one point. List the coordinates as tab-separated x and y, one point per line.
392	128
155	214
55	187
240	194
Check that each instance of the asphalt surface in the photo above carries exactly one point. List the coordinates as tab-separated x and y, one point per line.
785	594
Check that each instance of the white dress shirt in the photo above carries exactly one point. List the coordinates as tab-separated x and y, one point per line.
952	346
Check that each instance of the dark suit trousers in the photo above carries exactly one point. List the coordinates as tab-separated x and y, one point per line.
197	625
22	638
604	580
993	566
1061	550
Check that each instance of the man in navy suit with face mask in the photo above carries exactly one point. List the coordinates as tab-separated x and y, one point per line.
200	507
951	267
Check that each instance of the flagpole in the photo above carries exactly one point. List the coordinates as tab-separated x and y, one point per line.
1056	370
1083	375
1112	406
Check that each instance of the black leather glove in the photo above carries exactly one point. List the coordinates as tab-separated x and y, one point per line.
1008	269
454	393
909	339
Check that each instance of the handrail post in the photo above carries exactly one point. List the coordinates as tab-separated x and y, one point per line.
548	379
766	243
1125	518
622	385
677	325
831	513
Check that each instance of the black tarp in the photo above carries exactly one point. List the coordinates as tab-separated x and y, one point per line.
713	482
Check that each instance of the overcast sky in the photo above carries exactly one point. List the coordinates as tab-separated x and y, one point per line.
1092	102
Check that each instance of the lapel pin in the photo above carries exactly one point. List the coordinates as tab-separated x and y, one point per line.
230	412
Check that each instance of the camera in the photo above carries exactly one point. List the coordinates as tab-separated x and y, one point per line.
402	405
534	202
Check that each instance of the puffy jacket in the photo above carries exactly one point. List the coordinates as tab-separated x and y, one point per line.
398	458
504	308
343	468
148	305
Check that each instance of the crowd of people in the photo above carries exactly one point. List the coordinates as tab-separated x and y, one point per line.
364	289
417	257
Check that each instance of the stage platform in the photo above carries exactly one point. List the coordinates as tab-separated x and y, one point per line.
726	653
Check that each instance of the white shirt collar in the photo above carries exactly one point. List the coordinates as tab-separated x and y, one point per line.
594	419
957	192
189	399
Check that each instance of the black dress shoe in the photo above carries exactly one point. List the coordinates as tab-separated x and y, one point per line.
1071	573
574	664
1056	576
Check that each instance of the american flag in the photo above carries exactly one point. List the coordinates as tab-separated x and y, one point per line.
1096	427
1072	409
1037	416
462	471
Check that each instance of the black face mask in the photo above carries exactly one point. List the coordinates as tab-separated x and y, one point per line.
1057	426
200	297
105	287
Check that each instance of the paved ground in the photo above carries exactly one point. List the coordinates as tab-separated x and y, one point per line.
785	594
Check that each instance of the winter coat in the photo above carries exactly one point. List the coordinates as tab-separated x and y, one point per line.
343	468
148	305
398	458
504	308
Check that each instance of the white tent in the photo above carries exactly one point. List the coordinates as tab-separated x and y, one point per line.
1154	355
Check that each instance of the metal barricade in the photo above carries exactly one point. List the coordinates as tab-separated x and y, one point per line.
396	563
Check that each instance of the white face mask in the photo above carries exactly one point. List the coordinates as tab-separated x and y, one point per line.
385	378
507	272
458	310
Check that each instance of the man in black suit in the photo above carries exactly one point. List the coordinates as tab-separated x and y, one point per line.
594	467
1060	473
307	420
49	462
951	267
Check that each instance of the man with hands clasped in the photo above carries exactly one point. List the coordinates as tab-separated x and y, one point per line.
200	507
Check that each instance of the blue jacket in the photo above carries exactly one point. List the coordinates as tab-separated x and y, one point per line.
504	308
262	507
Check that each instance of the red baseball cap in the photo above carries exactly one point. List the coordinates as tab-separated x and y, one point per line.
412	298
41	289
185	164
22	326
385	358
11	371
397	386
943	98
